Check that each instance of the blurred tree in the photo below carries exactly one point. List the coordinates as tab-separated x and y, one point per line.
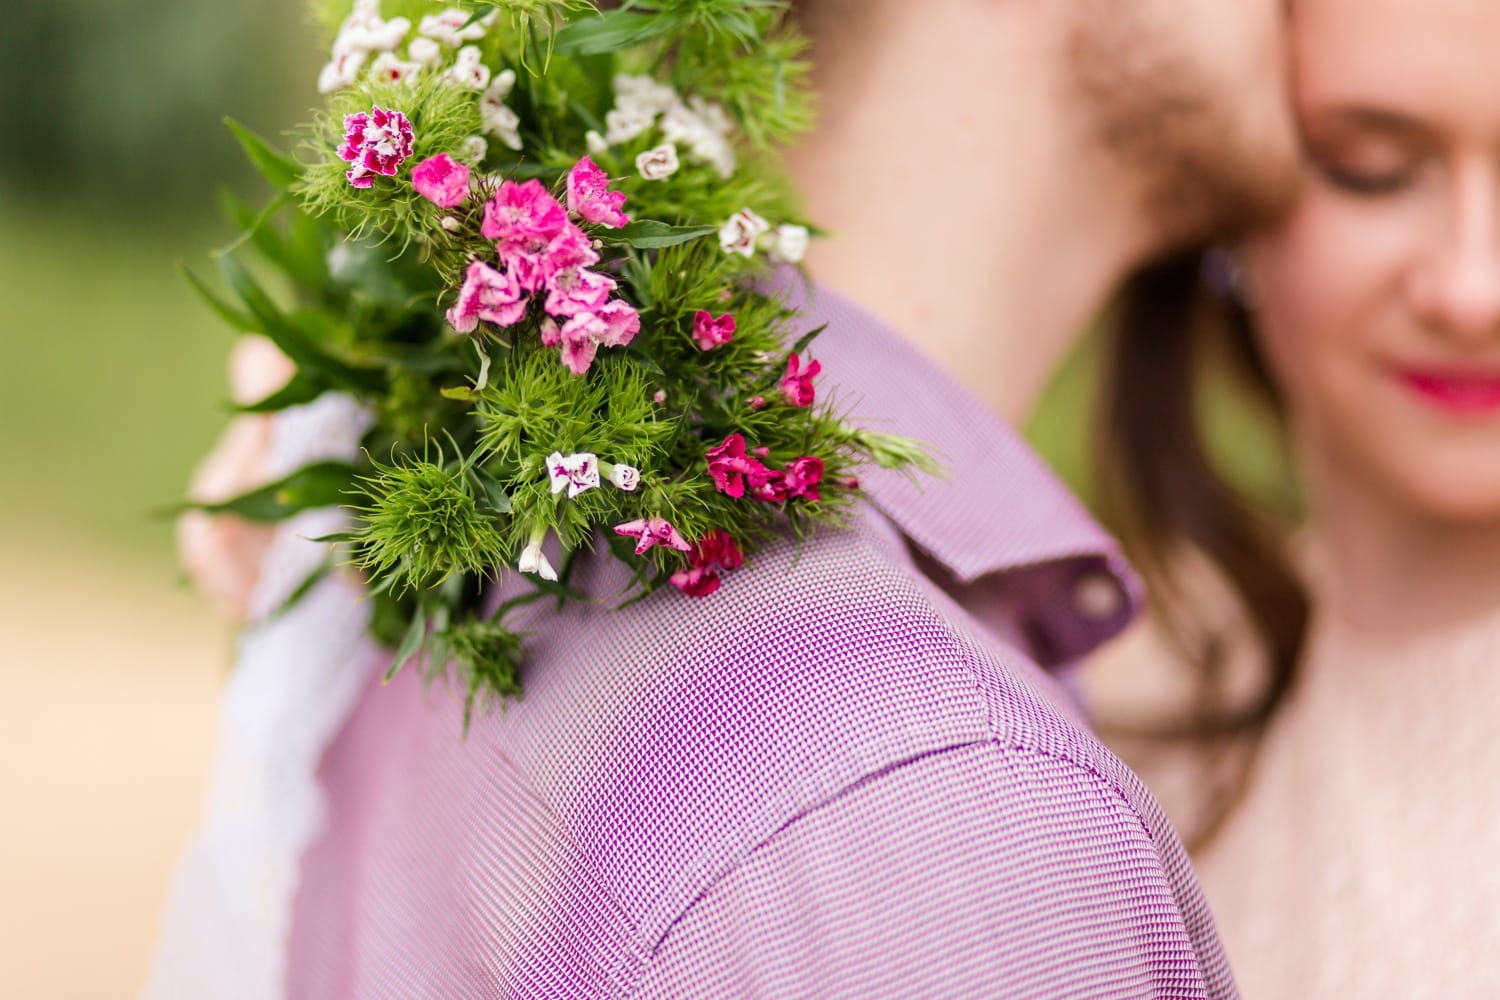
118	103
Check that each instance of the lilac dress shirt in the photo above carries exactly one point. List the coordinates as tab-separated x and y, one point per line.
848	773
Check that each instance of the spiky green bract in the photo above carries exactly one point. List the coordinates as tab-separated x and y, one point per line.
423	523
371	272
442	118
487	659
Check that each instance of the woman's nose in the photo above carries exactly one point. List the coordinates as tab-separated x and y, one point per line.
1456	289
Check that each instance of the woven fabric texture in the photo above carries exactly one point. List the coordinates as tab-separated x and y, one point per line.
849	773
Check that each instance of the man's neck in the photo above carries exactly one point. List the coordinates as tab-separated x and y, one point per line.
961	209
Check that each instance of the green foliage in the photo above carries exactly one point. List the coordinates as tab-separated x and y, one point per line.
371	272
424	522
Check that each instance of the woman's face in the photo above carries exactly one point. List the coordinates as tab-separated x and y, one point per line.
1379	296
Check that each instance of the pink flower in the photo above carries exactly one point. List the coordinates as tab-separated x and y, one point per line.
802	478
376	143
590	198
489	295
710	332
772	490
614	324
796	385
730	468
536	266
621	323
653	531
574	473
713	552
758	403
578	290
441	181
578	344
523	218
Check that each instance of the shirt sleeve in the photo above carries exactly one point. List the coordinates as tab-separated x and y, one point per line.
974	871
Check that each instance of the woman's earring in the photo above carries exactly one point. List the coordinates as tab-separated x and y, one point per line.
1225	274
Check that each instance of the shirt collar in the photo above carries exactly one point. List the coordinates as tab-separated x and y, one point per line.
997	509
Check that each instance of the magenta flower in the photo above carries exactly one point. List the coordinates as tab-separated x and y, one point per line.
614	324
772	490
489	295
376	143
802	477
653	531
590	198
713	552
523	218
796	385
441	181
709	332
577	290
731	468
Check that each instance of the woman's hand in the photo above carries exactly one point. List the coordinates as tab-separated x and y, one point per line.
223	552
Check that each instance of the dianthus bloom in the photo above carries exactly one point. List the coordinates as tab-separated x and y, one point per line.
802	477
532	234
709	332
441	181
377	142
796	385
713	552
653	531
613	324
590	198
577	290
742	231
731	468
489	295
575	473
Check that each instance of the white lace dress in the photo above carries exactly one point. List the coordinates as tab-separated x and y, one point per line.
296	677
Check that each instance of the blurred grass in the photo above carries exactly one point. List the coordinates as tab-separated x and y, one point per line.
113	381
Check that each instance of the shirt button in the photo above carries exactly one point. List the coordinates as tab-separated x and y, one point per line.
1097	597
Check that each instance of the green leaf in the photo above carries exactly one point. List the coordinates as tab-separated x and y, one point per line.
648	234
294	342
411	643
611	31
228	313
806	339
278	168
301	389
323	484
495	496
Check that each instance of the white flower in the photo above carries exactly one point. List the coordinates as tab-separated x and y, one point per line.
468	71
532	561
575	473
496	119
739	234
625	477
366	31
659	163
450	223
425	51
474	149
624	124
451	27
704	129
789	243
595	142
391	69
341	71
643	94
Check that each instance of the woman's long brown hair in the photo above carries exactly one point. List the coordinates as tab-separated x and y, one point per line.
1161	489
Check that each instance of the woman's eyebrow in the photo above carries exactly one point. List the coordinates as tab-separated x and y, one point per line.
1363	118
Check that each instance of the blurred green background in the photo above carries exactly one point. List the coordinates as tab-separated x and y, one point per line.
111	387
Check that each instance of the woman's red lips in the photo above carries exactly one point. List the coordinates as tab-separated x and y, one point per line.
1464	392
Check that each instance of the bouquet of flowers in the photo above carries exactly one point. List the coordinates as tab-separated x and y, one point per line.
531	244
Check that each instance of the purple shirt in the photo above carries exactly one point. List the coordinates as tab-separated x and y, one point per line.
848	773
